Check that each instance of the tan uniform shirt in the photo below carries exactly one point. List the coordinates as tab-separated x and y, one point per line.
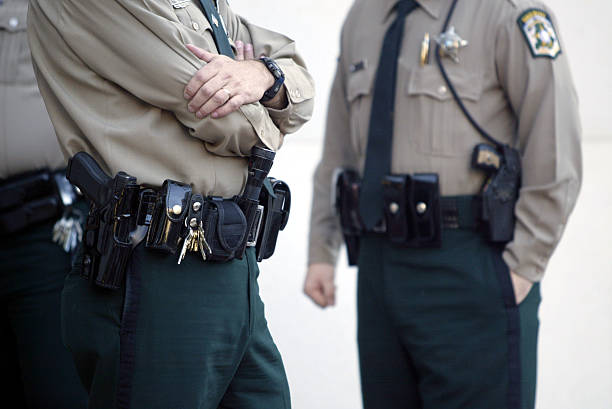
113	73
27	140
519	99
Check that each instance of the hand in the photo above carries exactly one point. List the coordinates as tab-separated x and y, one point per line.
319	284
223	85
521	287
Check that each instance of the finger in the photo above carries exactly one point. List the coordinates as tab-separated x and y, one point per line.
316	295
217	100
201	77
239	50
233	104
249	52
201	53
206	92
329	290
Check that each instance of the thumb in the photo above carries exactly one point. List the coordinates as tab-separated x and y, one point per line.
200	53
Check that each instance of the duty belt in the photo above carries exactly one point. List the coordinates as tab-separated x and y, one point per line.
32	198
173	219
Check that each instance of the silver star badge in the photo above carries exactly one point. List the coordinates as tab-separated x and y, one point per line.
450	43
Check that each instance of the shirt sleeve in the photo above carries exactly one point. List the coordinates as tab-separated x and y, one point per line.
299	85
325	233
540	91
140	46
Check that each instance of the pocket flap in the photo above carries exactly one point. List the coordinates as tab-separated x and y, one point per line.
13	16
360	82
429	81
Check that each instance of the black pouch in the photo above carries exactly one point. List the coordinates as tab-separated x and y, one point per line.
275	197
225	228
168	221
412	209
347	187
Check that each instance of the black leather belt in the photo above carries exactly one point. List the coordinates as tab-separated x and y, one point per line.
31	198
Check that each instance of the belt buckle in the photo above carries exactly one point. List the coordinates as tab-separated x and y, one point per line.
253	234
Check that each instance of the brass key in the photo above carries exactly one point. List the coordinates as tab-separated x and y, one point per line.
187	243
195	241
204	246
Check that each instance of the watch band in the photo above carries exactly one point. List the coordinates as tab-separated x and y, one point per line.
279	78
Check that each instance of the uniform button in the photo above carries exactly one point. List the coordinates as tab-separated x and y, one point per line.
296	93
195	26
442	90
13	22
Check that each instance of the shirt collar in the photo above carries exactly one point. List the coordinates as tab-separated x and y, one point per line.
432	7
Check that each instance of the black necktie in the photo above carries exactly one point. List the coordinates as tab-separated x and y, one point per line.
380	134
219	34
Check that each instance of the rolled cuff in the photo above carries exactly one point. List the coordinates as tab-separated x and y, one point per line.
300	99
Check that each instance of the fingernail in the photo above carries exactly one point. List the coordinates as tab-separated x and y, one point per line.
200	115
238	44
190	108
215	115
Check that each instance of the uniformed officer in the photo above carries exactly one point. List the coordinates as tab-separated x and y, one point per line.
121	84
38	371
453	326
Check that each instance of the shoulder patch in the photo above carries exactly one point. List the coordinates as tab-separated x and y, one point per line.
540	33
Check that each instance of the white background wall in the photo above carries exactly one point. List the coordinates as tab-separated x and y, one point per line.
319	347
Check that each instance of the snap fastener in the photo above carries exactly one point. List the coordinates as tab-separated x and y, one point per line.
195	26
442	90
177	209
197	206
421	208
394	208
13	22
193	223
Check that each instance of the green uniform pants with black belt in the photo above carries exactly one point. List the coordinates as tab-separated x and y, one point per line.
38	370
440	328
188	336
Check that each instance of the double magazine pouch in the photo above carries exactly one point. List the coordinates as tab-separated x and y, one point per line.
412	209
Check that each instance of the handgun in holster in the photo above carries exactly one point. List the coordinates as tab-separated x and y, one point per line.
275	203
347	187
500	190
107	246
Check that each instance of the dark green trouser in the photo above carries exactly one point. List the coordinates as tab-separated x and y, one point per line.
38	371
439	328
183	336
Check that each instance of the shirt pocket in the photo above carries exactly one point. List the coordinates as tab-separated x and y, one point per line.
437	123
359	93
190	14
15	61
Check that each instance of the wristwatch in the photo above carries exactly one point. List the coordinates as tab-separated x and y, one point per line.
279	78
